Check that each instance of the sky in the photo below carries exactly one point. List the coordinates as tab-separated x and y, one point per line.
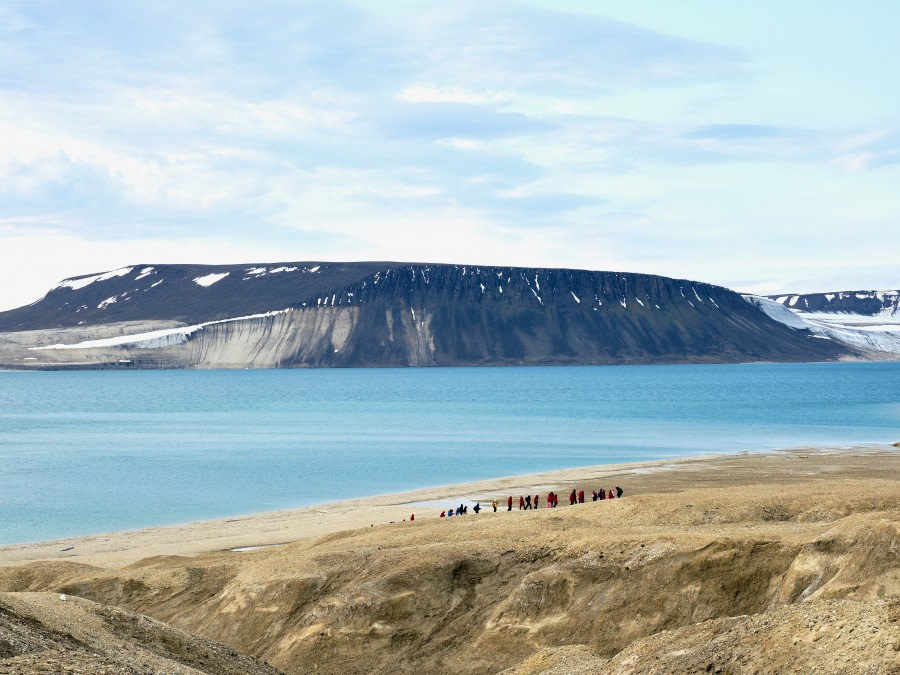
754	145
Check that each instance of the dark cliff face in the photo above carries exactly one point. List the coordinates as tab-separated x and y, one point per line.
867	303
395	314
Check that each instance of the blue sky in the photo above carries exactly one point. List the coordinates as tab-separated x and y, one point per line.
753	145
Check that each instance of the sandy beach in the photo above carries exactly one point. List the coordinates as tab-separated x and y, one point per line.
772	471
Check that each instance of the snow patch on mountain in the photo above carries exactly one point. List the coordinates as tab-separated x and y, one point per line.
209	279
879	333
83	282
157	338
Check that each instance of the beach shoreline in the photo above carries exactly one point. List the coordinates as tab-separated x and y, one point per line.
273	528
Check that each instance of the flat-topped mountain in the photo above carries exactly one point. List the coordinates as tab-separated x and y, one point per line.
864	303
391	314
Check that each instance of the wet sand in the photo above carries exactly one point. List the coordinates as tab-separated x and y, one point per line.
775	471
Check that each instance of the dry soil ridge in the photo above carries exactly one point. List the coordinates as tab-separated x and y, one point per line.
780	563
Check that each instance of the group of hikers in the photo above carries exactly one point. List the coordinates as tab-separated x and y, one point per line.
527	502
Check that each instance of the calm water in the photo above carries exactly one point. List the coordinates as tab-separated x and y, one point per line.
84	452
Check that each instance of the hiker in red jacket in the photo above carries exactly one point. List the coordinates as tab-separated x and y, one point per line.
581	496
509	503
521	502
536	497
573	498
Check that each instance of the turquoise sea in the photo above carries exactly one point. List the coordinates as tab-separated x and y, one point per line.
90	451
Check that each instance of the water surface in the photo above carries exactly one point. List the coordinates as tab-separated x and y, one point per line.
95	451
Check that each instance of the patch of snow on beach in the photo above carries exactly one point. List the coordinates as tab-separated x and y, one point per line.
77	284
209	279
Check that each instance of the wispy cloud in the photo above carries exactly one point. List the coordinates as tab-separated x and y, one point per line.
324	130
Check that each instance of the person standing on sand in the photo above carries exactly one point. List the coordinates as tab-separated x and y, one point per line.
527	502
611	494
494	505
602	494
573	498
477	508
509	503
536	497
581	496
521	502
618	491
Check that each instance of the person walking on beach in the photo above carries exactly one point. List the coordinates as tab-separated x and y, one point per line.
593	495
573	498
602	493
536	497
521	502
477	508
527	502
611	493
509	503
618	491
581	496
494	505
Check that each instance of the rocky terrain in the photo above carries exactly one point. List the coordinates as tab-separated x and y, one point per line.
390	314
794	570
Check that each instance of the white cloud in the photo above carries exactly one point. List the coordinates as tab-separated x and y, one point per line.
458	132
429	93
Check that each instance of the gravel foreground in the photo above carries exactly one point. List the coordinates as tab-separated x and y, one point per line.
781	562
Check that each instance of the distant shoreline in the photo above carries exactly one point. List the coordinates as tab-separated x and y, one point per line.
250	531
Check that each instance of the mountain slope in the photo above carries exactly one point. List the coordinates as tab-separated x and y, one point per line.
865	321
391	314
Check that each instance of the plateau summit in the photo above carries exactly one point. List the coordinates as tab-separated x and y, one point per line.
388	314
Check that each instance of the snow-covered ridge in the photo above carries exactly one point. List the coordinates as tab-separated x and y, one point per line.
861	303
157	338
880	332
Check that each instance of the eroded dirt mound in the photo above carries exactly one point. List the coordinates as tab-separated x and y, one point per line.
44	633
541	591
817	637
